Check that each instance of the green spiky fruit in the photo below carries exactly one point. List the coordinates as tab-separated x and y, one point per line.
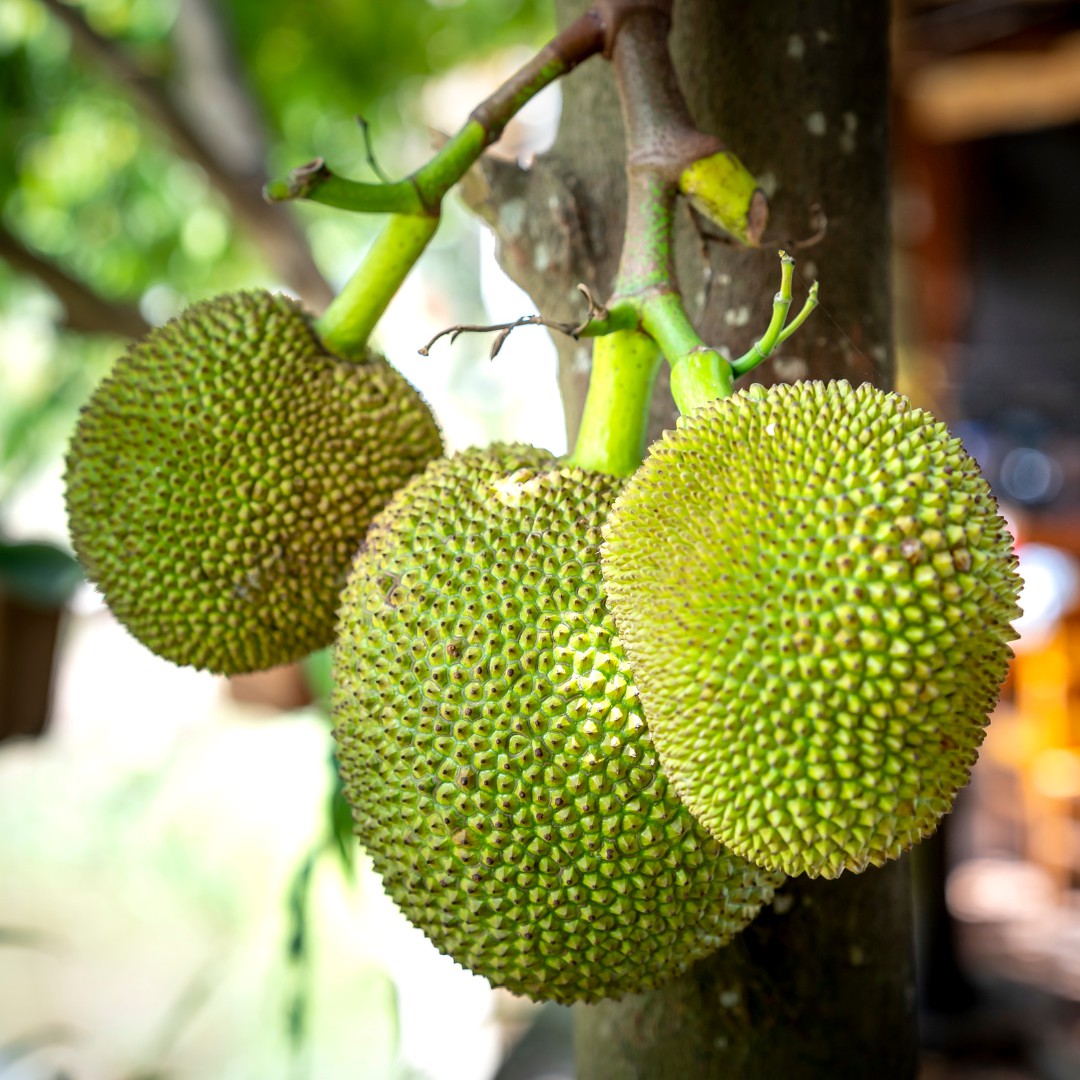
222	476
815	590
493	748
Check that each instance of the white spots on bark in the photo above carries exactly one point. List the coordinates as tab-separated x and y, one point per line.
512	217
796	47
809	270
783	903
729	999
582	360
768	183
848	140
790	368
739	316
541	257
816	123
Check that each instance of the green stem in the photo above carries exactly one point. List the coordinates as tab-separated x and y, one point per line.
700	375
647	261
646	282
347	323
423	191
415	201
613	429
664	319
316	183
811	303
451	163
781	306
621	314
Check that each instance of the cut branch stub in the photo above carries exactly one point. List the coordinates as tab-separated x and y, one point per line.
723	191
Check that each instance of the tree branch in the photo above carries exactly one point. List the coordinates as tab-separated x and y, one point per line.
423	190
597	315
86	311
270	227
208	86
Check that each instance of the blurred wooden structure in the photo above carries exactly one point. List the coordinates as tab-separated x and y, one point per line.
28	636
987	146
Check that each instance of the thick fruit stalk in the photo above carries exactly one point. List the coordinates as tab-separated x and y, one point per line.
612	435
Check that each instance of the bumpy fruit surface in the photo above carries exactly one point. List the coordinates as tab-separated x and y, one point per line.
815	590
223	475
493	747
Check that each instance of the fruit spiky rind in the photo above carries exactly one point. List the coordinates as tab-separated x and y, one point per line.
815	591
493	748
222	476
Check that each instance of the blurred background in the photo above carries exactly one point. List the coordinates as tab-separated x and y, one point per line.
179	895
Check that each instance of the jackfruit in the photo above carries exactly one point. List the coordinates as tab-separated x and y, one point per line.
493	747
221	477
815	592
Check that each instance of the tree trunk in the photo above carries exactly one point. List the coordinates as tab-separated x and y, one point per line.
821	985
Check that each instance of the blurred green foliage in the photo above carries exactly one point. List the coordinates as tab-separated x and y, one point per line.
45	375
90	185
93	189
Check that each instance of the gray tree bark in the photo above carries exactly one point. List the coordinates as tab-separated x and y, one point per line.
821	985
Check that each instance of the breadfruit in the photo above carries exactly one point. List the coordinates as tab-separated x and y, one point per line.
223	474
493	748
815	590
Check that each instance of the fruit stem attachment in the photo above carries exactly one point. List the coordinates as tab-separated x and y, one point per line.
614	425
422	191
703	375
668	156
347	323
646	286
699	377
